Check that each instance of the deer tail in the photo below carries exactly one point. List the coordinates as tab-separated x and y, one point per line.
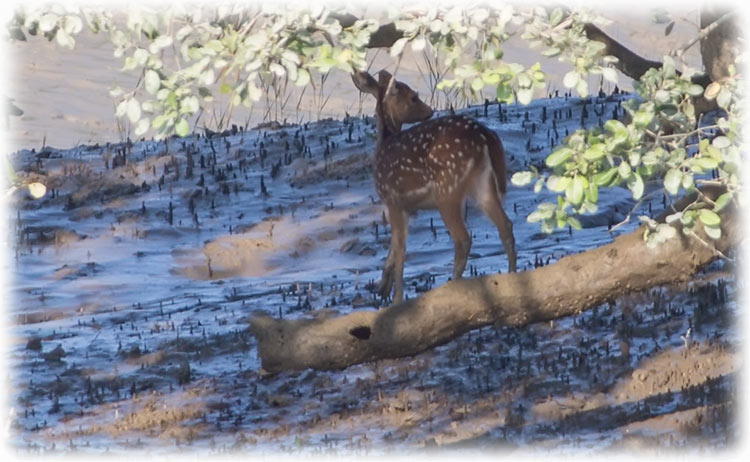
497	158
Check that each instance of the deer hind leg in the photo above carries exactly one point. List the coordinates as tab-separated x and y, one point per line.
393	271
488	199
454	221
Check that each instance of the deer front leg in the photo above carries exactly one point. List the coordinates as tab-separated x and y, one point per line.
393	272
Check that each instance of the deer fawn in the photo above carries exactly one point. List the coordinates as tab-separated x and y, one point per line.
433	165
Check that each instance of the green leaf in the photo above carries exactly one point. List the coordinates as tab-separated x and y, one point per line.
418	44
695	90
558	157
555	17
624	170
558	183
673	218
672	181
207	77
504	93
688	217
477	84
64	39
142	126
141	56
522	178
714	232
182	128
171	100
159	121
706	163
618	130
574	191
534	217
189	105
722	201
548	226
709	217
152	81
594	152
635	184
582	87
48	21
721	142
610	74
662	96
491	78
614	126
525	95
161	41
642	118
524	81
724	98
544	211
712	90
538	186
398	46
571	79
133	110
592	193
605	178
225	88
688	183
574	223
303	77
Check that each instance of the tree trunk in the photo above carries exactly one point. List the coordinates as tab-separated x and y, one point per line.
720	47
573	284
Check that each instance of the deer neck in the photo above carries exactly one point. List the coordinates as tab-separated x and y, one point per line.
387	126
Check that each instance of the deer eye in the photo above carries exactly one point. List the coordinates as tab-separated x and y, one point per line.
414	98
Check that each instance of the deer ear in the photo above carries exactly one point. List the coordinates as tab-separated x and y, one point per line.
387	82
365	82
384	78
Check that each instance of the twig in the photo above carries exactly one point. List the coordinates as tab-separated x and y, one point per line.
393	77
701	35
712	248
637	204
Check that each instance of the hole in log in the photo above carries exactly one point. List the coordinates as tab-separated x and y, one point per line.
361	332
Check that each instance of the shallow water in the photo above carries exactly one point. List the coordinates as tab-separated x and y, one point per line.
130	332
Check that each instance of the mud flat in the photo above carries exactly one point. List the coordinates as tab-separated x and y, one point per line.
132	287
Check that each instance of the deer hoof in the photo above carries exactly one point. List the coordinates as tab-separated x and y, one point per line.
386	282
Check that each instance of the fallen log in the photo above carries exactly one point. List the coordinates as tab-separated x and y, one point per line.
573	284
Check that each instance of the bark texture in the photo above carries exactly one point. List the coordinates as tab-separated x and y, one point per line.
573	284
720	47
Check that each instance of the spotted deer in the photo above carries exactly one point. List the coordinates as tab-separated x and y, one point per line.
433	165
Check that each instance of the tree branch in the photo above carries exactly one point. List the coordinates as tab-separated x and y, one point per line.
629	62
572	284
384	37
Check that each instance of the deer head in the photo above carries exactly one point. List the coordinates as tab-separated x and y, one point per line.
397	103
